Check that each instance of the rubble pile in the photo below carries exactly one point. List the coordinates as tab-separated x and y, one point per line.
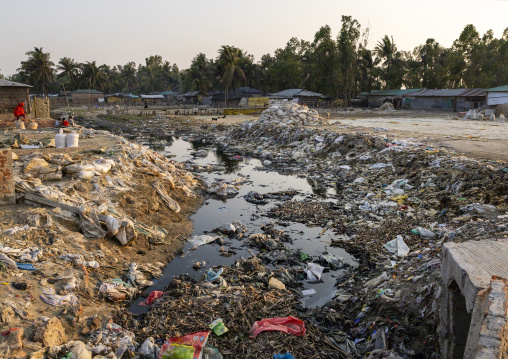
291	114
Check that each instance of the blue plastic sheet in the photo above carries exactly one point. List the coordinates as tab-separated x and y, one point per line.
283	356
25	266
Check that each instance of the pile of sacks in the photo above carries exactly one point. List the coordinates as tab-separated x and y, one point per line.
480	116
291	114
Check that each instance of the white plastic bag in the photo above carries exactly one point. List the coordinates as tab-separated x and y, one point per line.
398	246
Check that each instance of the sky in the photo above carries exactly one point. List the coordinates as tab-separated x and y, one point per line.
114	32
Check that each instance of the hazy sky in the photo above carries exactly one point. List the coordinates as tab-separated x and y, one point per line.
115	32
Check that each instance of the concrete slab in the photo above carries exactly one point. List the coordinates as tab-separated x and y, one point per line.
472	265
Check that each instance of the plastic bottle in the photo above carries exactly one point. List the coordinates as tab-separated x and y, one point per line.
60	139
72	139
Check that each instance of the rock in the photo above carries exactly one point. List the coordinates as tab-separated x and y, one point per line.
7	315
51	334
275	283
12	344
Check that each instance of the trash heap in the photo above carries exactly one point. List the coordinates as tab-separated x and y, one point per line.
93	226
291	114
479	115
237	296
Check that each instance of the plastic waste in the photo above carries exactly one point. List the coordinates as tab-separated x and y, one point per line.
48	295
78	350
218	327
32	125
197	241
148	349
211	275
314	272
211	353
187	347
379	279
481	210
156	294
5	259
333	261
275	283
72	139
60	139
397	246
424	233
283	356
25	266
290	325
307	292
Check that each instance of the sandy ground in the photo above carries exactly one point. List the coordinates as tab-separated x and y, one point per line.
478	139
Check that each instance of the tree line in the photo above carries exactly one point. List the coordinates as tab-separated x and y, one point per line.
340	66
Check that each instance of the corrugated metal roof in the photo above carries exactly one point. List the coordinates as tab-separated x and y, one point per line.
168	93
394	92
366	93
295	93
191	94
475	92
87	91
151	97
498	89
7	83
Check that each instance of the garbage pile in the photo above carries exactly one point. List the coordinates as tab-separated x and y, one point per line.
387	106
93	226
291	114
479	115
240	310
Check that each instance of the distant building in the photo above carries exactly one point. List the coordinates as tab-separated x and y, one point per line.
122	98
497	95
300	96
457	100
86	96
236	98
378	97
12	93
194	98
152	100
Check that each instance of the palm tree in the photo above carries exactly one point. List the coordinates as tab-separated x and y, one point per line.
128	74
68	67
386	49
91	75
38	69
229	61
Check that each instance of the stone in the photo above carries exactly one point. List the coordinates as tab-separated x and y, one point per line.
275	283
7	315
12	344
51	334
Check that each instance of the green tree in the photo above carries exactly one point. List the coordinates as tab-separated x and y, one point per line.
69	69
92	76
38	70
229	64
347	43
128	74
392	61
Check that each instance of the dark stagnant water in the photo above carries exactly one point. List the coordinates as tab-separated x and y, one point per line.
216	212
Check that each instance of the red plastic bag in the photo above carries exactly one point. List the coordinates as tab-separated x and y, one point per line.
156	294
187	347
290	325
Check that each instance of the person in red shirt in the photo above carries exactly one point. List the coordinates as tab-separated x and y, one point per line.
65	123
19	111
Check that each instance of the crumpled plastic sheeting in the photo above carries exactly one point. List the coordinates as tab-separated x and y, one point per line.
123	234
398	246
290	325
136	278
48	295
314	272
90	224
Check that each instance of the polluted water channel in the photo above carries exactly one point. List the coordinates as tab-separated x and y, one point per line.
219	211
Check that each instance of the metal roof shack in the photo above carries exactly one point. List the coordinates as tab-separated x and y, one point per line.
457	100
377	98
151	97
11	93
300	96
497	95
218	98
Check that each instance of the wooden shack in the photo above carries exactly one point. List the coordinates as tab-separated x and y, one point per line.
86	96
12	93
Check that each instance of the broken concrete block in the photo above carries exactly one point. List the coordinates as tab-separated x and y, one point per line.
51	334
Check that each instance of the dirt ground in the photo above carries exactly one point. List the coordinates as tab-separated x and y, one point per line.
478	139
